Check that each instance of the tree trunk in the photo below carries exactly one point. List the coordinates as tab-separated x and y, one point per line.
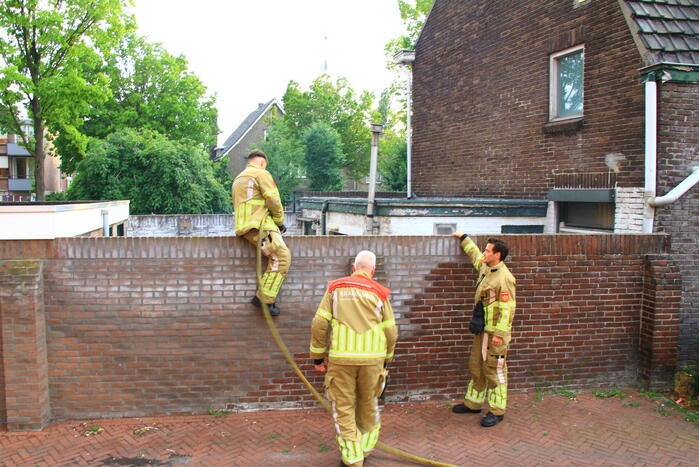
39	152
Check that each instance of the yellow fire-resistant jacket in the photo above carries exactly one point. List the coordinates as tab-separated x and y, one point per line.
253	191
496	289
359	315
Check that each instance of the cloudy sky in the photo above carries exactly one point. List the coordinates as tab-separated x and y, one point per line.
246	51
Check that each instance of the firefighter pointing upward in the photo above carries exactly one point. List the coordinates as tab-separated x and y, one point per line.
363	332
491	324
258	207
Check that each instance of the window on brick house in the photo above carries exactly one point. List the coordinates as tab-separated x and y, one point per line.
574	217
566	83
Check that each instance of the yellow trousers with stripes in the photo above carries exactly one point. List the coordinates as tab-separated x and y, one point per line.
353	391
488	377
278	262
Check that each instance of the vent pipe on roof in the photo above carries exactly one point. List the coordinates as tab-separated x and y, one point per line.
376	132
406	58
105	222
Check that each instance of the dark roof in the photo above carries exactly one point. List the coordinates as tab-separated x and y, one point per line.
243	128
668	29
17	150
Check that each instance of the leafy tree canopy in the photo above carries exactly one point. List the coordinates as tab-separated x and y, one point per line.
393	153
337	105
285	155
158	175
45	47
323	157
149	89
413	13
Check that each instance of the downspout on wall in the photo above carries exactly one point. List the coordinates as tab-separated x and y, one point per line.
651	159
674	194
654	75
651	145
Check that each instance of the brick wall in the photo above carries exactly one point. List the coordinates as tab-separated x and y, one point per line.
678	140
25	391
138	326
481	95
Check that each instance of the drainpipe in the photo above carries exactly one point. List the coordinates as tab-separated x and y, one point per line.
323	218
376	131
105	222
678	191
409	133
651	201
651	154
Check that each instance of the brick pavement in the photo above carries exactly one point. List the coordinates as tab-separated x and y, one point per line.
549	431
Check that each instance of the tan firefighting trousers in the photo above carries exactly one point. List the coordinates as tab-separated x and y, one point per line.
278	262
353	391
488	377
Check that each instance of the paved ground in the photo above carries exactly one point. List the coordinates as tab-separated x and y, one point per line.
546	429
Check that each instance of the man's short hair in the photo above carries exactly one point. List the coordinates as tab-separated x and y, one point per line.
256	153
499	247
365	259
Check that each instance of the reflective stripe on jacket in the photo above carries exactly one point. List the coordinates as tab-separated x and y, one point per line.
359	316
496	288
254	191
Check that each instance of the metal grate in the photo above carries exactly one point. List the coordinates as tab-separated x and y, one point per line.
585	180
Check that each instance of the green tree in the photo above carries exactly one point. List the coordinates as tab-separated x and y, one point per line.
286	156
393	164
323	157
44	48
413	13
158	175
151	89
338	105
221	173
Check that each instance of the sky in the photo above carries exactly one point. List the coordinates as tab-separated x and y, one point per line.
246	51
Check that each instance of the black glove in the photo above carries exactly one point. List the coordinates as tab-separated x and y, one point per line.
477	325
317	361
463	237
282	228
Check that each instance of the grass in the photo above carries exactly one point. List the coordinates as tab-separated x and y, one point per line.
567	393
218	413
272	435
610	393
323	448
667	407
94	430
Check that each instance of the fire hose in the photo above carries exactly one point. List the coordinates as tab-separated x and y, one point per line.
287	355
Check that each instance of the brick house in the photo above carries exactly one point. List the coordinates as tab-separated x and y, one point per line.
251	131
17	170
557	101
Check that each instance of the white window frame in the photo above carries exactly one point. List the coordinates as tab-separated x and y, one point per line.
553	84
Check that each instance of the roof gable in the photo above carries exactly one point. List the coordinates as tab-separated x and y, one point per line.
247	124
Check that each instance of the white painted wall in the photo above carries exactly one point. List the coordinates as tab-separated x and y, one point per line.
628	214
346	223
470	225
355	224
43	221
4	162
